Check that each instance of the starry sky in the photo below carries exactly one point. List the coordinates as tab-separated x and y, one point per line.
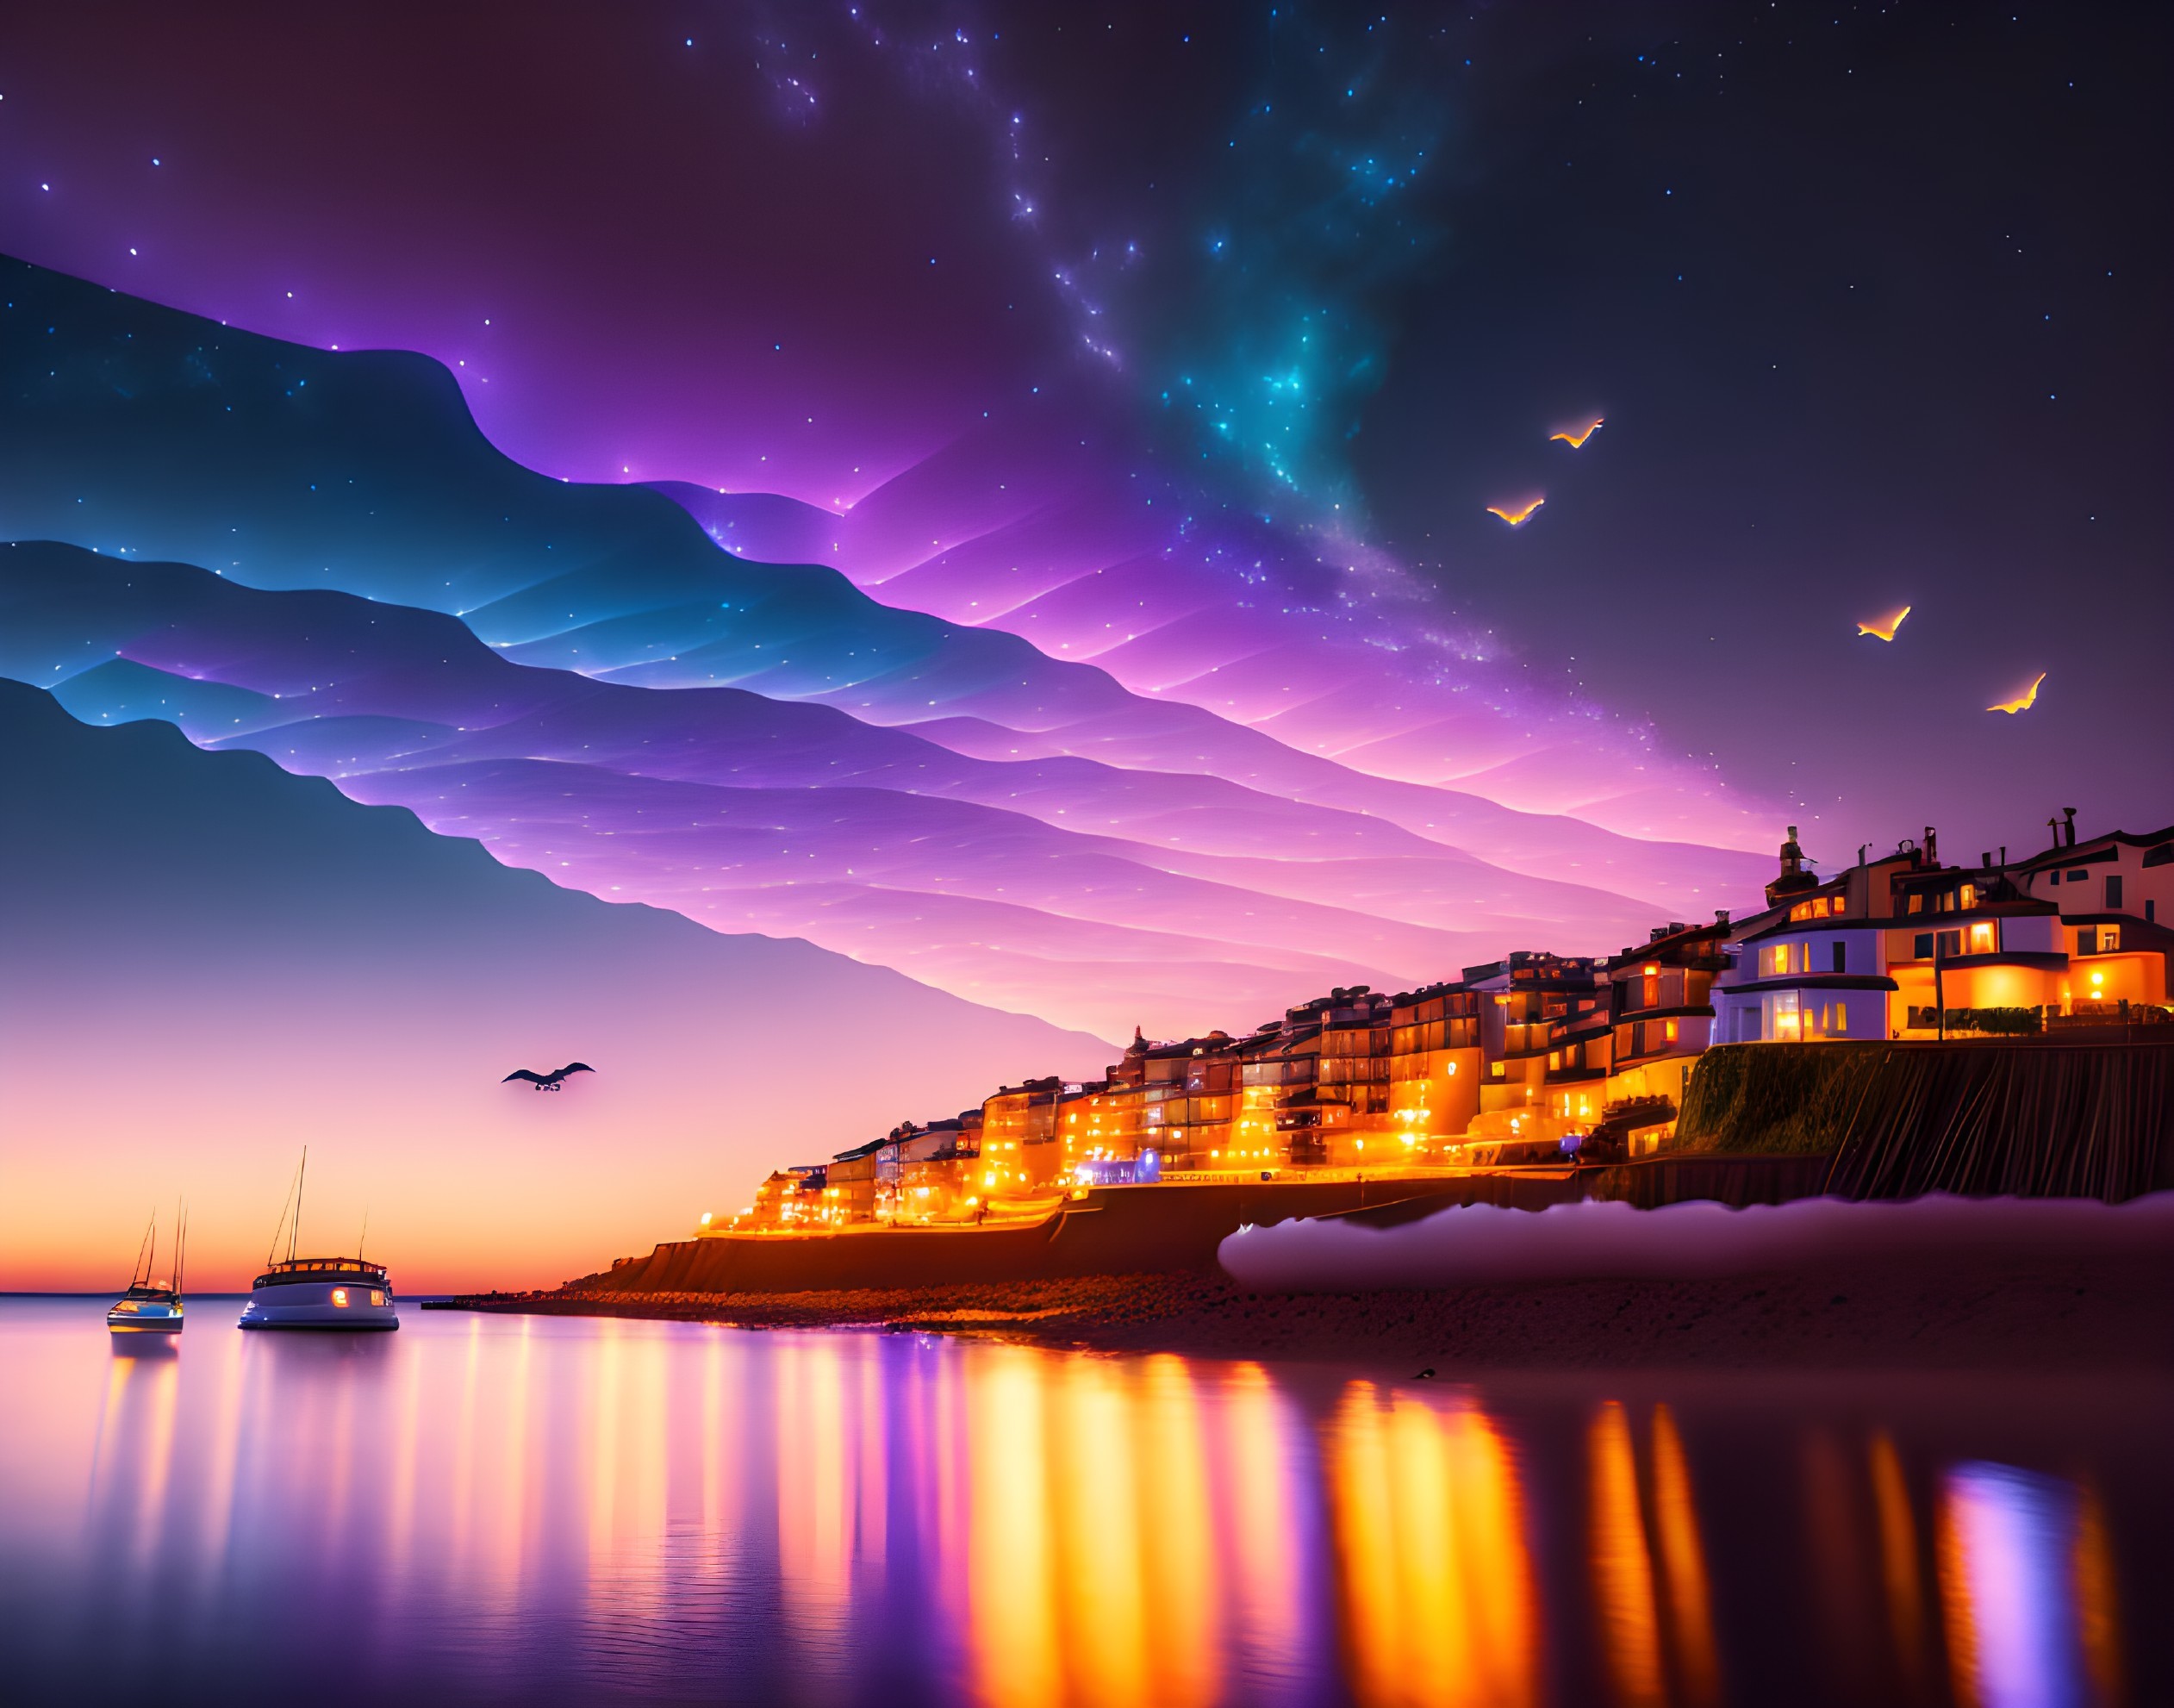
1020	496
1868	297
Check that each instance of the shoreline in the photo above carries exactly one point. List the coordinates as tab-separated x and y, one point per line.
2072	1312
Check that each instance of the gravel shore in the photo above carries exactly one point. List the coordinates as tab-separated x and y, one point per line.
2067	1314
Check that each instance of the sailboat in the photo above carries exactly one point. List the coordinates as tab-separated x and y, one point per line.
149	1307
317	1293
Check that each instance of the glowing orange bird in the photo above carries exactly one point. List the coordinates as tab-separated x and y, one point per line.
1515	514
1575	437
1883	628
2023	701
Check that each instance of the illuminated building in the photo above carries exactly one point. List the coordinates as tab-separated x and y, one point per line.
1814	965
1521	999
2115	893
1905	947
1580	1047
1195	1124
849	1186
942	1174
1520	1055
1352	1090
1434	1065
790	1198
1288	1070
1662	1020
1019	1130
1965	943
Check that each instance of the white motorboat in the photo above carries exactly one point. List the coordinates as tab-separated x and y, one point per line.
150	1306
321	1293
317	1293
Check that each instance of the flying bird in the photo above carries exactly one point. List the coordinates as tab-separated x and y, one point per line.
2023	701
1575	437
1516	515
554	1081
1883	628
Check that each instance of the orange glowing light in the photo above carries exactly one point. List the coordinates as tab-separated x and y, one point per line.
1883	628
1622	1569
2023	701
1516	512
1576	436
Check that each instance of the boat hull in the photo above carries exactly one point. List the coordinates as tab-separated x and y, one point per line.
144	1322
345	1306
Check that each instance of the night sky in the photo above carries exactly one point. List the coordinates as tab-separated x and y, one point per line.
1143	381
1872	300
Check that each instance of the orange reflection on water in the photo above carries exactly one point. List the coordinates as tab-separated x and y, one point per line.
1846	1595
817	1479
1260	1606
1096	1496
1683	1561
1177	1528
1438	1598
1091	1524
1622	1573
1898	1569
1009	1565
133	1461
2098	1625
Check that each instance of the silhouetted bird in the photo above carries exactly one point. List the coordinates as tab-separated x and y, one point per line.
548	1081
1426	1374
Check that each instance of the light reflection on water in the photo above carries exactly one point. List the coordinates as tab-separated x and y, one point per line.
513	1509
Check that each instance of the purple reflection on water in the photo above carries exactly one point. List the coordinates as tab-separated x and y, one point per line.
515	1509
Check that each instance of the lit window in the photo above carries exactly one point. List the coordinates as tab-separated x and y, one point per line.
2109	939
1981	939
340	1297
1778	958
1554	1059
1495	1068
376	1297
1970	897
1672	1031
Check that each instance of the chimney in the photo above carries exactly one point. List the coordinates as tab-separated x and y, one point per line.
2069	813
1721	917
1986	860
1932	847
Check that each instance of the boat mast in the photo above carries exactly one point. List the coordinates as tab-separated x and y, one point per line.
292	1200
181	1245
294	1233
142	1246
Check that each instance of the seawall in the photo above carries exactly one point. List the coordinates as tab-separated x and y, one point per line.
1162	1230
2034	1118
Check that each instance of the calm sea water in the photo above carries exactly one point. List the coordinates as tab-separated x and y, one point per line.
501	1509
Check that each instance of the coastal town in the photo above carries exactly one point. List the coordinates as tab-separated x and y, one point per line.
1540	1059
